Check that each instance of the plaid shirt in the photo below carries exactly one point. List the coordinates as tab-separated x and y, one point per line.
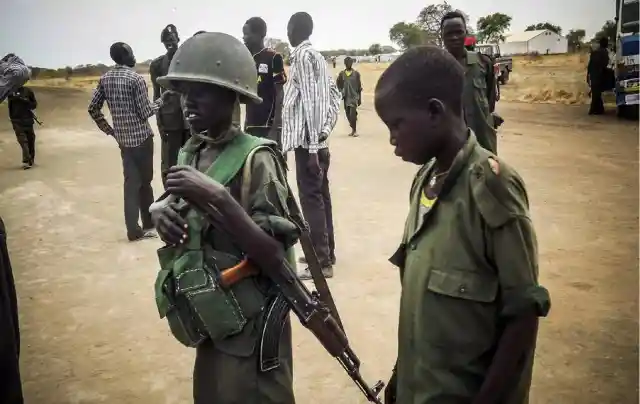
127	97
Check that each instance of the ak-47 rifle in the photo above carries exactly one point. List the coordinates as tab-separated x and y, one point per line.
315	310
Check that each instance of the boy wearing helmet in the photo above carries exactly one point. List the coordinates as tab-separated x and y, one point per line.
242	180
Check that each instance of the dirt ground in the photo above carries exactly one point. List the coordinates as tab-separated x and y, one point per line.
90	329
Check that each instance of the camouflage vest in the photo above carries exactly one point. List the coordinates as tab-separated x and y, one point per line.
187	288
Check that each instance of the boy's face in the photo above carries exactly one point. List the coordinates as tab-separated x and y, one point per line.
454	31
206	105
415	133
250	38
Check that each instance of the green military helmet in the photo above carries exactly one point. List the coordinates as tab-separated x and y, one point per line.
215	58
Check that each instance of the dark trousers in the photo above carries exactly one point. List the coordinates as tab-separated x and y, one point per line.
597	105
352	116
137	167
315	201
27	140
172	141
10	384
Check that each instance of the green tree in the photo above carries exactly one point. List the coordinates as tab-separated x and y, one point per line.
575	38
375	49
608	30
492	27
406	35
68	72
545	25
279	46
429	21
388	49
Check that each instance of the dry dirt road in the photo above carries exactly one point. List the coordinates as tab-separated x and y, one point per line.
91	333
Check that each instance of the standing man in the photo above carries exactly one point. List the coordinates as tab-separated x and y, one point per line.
232	362
174	130
22	102
310	111
480	89
264	119
126	94
351	87
596	74
470	297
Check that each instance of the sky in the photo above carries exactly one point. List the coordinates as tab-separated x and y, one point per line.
57	33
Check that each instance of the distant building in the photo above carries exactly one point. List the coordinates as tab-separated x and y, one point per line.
544	42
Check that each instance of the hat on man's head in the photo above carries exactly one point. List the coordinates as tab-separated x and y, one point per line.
168	31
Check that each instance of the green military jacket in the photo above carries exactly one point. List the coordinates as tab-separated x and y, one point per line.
476	103
266	198
467	267
170	116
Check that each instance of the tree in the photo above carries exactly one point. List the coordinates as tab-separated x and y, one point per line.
545	25
608	30
387	49
279	46
68	72
429	20
35	72
492	27
406	35
575	38
375	49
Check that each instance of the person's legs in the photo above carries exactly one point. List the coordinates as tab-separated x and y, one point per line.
31	142
132	182
312	204
21	136
324	157
597	105
144	163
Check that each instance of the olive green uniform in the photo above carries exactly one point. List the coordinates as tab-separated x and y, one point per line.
467	267
477	99
227	366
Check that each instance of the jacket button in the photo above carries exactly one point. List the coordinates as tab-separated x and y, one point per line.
462	289
413	246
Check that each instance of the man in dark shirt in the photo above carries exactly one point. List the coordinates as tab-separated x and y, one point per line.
264	119
22	102
598	62
350	85
173	129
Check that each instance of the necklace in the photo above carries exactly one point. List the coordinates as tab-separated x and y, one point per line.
257	53
435	178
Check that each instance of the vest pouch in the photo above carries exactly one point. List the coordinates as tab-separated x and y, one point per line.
216	309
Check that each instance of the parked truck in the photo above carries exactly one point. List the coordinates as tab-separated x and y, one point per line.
627	60
505	64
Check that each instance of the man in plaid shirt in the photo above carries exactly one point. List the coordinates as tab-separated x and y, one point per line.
127	97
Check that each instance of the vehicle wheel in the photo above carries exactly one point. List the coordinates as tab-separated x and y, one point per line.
627	112
504	77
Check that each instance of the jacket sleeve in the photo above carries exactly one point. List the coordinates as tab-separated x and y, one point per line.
268	198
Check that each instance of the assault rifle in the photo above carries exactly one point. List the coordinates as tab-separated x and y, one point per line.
315	310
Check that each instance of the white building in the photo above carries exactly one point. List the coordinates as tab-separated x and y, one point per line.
543	41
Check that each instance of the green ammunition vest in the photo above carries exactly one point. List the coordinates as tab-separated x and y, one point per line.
187	289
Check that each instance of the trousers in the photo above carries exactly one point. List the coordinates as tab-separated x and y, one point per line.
137	167
27	141
315	201
10	382
352	116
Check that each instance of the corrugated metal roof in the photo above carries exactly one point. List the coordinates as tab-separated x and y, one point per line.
523	36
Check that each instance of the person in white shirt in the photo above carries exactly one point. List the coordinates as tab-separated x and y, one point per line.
309	114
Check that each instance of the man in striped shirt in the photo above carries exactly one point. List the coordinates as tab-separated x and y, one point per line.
309	114
127	97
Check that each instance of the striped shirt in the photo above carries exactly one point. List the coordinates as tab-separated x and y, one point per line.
127	97
311	101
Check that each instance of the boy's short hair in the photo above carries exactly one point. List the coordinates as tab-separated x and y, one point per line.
257	26
423	73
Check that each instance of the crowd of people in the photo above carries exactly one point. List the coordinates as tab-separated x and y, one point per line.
470	298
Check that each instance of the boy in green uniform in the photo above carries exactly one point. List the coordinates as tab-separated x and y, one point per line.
470	297
350	86
207	289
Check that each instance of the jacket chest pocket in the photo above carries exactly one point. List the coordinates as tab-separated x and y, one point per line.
460	308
